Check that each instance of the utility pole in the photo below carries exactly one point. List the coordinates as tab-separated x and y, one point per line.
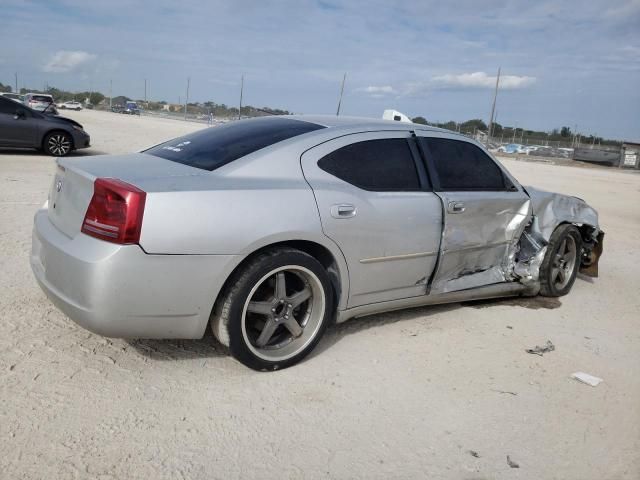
186	100
344	78
241	92
17	91
493	107
145	91
110	93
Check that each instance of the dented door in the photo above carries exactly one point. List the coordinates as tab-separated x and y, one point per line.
480	228
485	212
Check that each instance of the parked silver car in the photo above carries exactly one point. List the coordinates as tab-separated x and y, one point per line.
269	229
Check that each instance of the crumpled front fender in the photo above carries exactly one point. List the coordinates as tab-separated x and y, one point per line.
553	209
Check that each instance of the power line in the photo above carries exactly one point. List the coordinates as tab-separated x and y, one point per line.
493	107
344	78
241	91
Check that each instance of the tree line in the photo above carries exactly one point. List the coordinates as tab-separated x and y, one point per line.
469	127
518	135
193	108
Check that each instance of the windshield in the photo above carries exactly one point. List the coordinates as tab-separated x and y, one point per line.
211	148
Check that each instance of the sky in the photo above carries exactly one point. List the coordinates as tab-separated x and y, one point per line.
572	63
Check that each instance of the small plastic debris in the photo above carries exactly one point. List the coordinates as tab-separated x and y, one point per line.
473	453
586	378
504	391
511	463
548	347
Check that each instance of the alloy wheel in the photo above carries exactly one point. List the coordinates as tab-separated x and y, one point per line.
59	144
283	313
564	261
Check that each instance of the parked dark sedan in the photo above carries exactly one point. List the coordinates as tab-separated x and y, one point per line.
23	127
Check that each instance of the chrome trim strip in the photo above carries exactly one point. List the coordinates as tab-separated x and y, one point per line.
488	291
406	256
102	225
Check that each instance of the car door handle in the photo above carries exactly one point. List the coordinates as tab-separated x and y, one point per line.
343	210
456	207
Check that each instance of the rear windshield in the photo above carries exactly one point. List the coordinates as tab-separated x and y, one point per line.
213	147
40	98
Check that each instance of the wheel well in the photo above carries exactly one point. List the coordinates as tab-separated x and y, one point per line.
44	137
587	232
317	251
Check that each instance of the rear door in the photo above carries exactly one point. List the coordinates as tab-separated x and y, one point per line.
485	212
376	204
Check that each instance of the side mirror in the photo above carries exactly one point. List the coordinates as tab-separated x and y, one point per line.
19	115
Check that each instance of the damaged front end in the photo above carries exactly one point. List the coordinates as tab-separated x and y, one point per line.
549	210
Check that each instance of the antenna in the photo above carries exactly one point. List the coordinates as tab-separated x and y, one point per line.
241	91
493	108
344	78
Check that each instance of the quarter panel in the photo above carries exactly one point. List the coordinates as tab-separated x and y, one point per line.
226	222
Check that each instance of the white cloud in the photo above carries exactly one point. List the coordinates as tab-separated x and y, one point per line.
482	80
378	91
381	89
65	61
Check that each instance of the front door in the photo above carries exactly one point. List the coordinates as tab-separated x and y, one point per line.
485	213
16	131
374	203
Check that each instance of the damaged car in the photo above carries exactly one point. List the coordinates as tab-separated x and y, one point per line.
267	230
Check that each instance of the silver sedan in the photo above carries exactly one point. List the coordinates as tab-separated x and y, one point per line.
267	230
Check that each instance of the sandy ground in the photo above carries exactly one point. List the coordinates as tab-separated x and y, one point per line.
401	395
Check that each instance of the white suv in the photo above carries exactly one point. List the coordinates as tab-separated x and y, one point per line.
70	106
39	101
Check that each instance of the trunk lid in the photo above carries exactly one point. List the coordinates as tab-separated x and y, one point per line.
72	187
69	196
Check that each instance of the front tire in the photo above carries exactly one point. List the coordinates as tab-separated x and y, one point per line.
561	262
58	144
275	310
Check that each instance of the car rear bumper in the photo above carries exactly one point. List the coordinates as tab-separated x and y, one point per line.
120	291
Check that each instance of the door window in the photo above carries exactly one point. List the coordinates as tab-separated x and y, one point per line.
8	106
462	166
375	165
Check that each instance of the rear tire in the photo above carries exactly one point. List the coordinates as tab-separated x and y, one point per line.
58	144
275	309
561	262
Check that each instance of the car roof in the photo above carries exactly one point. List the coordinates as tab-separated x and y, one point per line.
347	122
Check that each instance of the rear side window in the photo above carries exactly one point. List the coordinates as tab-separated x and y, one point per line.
375	165
212	148
462	165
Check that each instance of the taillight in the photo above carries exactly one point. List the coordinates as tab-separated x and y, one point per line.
115	211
